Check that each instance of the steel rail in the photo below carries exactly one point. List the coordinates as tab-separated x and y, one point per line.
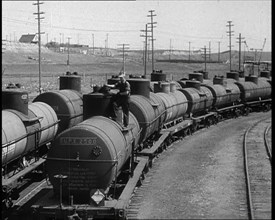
249	195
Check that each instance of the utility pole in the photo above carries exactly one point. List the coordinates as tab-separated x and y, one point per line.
240	44
170	49
205	55
152	33
106	44
68	60
145	48
60	43
39	39
230	34
219	43
124	47
93	44
189	58
209	50
148	51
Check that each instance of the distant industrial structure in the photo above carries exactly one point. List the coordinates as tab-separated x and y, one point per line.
29	39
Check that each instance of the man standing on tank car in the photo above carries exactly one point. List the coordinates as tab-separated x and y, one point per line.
122	98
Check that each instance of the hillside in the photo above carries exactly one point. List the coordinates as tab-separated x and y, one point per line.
20	53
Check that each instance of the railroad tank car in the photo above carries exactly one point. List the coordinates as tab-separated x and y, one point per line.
174	101
199	97
143	110
90	154
16	126
224	93
253	89
159	109
25	127
66	102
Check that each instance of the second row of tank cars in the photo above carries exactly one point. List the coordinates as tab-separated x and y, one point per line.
91	154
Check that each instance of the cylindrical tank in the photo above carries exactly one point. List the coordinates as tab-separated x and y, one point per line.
221	97
253	79
170	107
196	76
158	77
198	100
162	87
91	154
253	92
27	124
159	109
47	119
181	104
142	109
95	104
140	87
70	82
12	129
232	75
16	100
67	104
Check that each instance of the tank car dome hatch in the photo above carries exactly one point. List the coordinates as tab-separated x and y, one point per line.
232	75
70	82
140	87
162	87
196	76
91	154
16	100
158	76
95	104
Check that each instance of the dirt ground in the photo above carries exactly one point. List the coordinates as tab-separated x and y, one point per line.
200	177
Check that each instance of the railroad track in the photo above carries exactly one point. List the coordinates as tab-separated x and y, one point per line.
257	163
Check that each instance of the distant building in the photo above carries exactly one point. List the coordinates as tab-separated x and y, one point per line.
28	38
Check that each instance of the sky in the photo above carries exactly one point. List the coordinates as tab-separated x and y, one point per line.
179	24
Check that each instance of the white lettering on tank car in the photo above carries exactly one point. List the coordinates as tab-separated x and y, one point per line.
24	96
7	150
78	141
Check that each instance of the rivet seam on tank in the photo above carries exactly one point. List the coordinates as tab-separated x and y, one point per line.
96	150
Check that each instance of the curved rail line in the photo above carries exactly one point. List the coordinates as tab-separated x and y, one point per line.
267	145
246	167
